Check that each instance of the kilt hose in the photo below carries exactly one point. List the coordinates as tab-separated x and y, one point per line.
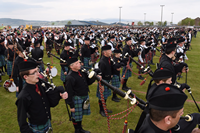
78	105
106	93
9	67
62	75
86	62
115	81
40	128
2	60
128	72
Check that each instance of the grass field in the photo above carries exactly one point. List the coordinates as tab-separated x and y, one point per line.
95	122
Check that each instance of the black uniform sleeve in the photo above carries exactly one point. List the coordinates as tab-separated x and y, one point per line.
22	108
69	89
15	74
62	56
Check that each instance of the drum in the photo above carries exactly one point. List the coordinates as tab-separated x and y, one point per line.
96	65
42	47
54	71
9	86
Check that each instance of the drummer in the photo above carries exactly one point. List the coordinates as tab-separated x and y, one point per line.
38	54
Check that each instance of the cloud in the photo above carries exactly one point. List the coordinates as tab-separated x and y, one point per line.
52	10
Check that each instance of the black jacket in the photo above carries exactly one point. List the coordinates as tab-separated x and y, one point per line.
35	107
37	53
167	63
76	85
106	67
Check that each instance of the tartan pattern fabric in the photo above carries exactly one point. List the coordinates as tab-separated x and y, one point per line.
79	111
86	62
115	81
150	55
146	58
128	72
48	48
9	67
41	67
2	60
106	93
40	128
93	57
57	47
62	75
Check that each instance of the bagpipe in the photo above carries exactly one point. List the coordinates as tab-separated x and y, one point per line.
128	95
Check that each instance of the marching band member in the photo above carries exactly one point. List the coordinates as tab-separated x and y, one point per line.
77	88
48	43
34	103
105	65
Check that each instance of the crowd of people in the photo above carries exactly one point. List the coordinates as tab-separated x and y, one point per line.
110	53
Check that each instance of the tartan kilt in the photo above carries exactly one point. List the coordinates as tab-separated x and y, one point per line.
48	48
150	55
86	62
106	93
2	60
41	67
79	111
147	58
9	67
115	81
143	64
62	75
128	72
40	128
93	57
57	47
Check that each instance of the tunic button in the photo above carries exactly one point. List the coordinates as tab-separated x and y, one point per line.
43	102
47	112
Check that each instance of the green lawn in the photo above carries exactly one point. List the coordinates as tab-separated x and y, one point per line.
94	122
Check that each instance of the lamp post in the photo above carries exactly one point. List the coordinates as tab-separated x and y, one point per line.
172	18
144	18
161	13
120	14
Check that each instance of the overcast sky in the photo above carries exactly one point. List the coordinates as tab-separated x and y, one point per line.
52	10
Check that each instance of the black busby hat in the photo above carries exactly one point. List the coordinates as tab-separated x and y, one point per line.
149	39
117	51
167	97
87	39
171	40
71	60
67	43
112	37
141	40
162	73
128	39
27	65
171	46
181	39
107	47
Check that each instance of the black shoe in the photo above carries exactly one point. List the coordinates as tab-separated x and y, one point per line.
102	113
84	131
140	77
115	99
109	111
152	64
